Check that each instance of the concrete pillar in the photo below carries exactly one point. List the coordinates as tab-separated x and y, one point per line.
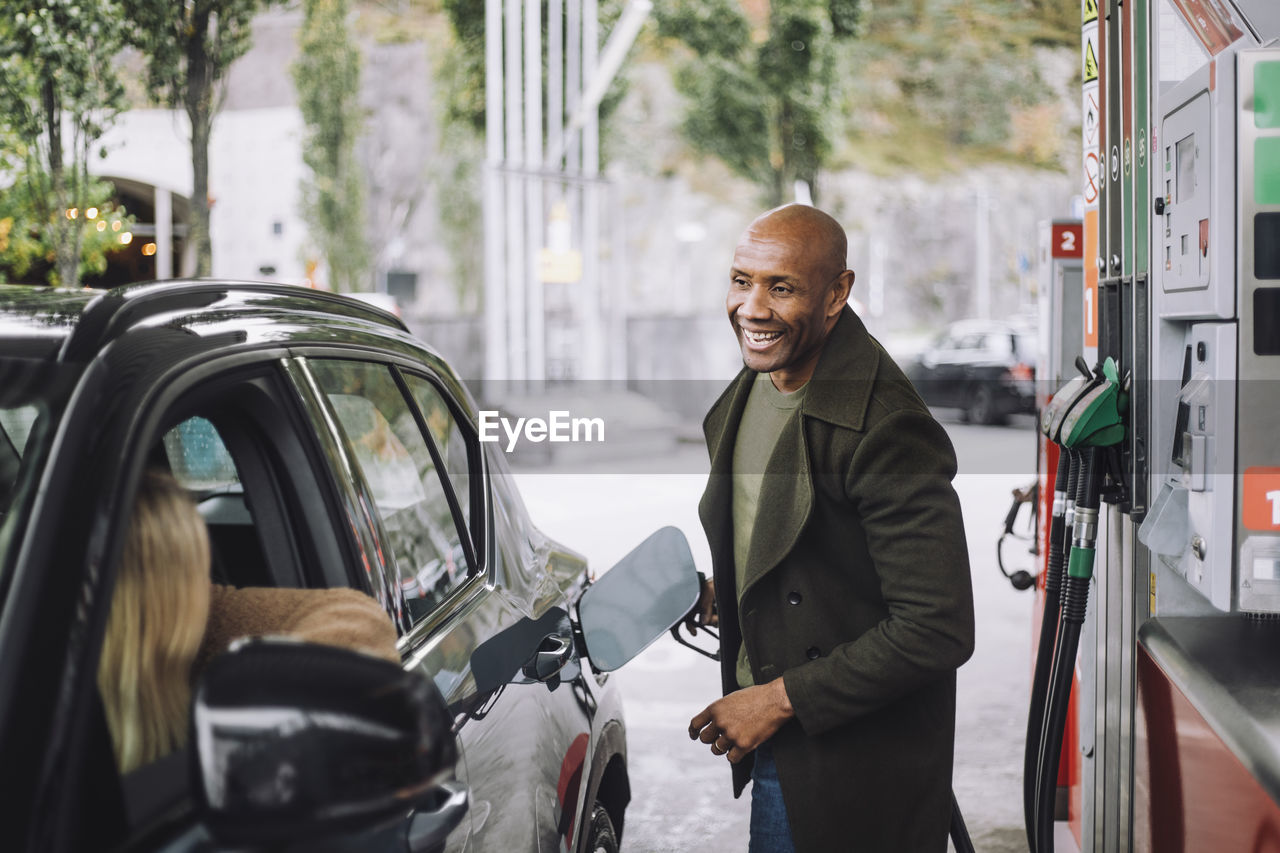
164	233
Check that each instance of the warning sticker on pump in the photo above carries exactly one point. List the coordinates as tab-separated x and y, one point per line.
1090	60
1090	11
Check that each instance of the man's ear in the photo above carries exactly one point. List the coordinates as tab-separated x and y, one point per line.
840	290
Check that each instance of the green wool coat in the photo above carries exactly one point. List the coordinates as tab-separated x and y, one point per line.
857	592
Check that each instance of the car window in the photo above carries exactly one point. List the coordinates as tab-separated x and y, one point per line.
411	492
456	452
998	343
198	457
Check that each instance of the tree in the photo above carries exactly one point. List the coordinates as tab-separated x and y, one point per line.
760	94
327	78
58	94
28	251
189	46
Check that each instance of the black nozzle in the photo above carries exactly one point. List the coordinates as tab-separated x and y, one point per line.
1083	367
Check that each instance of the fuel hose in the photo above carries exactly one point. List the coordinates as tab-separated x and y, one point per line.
1054	571
1075	602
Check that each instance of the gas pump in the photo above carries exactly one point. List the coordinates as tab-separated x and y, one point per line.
1178	679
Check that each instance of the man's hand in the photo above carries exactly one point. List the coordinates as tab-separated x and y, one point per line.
704	613
741	721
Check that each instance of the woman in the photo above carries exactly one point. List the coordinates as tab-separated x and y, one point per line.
166	617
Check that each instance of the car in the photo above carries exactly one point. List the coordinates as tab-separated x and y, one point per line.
324	446
984	368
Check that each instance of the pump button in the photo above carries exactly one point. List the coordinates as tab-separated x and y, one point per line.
794	598
812	653
1159	207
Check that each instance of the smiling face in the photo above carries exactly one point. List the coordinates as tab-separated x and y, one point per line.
787	287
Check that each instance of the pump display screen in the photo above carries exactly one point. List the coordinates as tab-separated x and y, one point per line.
1185	153
1266	245
1266	321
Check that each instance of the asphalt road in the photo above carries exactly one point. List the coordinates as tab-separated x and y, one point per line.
681	795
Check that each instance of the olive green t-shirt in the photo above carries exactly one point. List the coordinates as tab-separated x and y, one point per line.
766	412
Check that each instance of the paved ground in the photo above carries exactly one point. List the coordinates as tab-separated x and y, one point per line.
681	795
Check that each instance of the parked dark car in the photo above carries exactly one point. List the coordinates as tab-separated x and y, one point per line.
986	369
325	446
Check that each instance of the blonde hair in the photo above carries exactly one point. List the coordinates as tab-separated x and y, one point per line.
158	615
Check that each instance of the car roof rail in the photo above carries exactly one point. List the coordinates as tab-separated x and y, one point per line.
114	312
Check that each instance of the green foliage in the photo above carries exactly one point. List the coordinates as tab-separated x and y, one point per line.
461	66
327	77
760	94
58	94
945	82
924	85
28	253
457	170
189	46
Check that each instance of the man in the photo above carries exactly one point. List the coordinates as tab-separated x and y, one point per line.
841	577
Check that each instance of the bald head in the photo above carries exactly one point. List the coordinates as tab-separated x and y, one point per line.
824	239
787	287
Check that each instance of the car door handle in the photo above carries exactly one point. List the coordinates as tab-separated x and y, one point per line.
428	828
552	655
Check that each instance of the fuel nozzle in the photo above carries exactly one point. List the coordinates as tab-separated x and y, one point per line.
1096	417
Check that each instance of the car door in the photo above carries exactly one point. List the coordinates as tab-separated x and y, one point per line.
472	597
231	432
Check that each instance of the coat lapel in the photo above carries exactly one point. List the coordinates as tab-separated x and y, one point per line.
721	429
786	501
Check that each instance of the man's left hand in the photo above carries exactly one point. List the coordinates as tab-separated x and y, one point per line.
741	721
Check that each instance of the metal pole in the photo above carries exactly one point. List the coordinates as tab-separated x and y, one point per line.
570	153
573	84
555	77
982	271
517	263
875	278
534	214
603	71
618	294
495	303
593	354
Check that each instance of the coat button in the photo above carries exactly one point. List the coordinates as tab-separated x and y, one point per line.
794	598
812	653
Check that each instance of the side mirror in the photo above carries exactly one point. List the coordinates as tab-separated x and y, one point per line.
639	599
294	741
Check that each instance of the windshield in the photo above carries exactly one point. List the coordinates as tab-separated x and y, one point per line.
32	393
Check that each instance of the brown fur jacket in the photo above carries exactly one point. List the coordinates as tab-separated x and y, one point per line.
334	617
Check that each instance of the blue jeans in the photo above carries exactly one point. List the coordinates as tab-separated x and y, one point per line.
770	829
